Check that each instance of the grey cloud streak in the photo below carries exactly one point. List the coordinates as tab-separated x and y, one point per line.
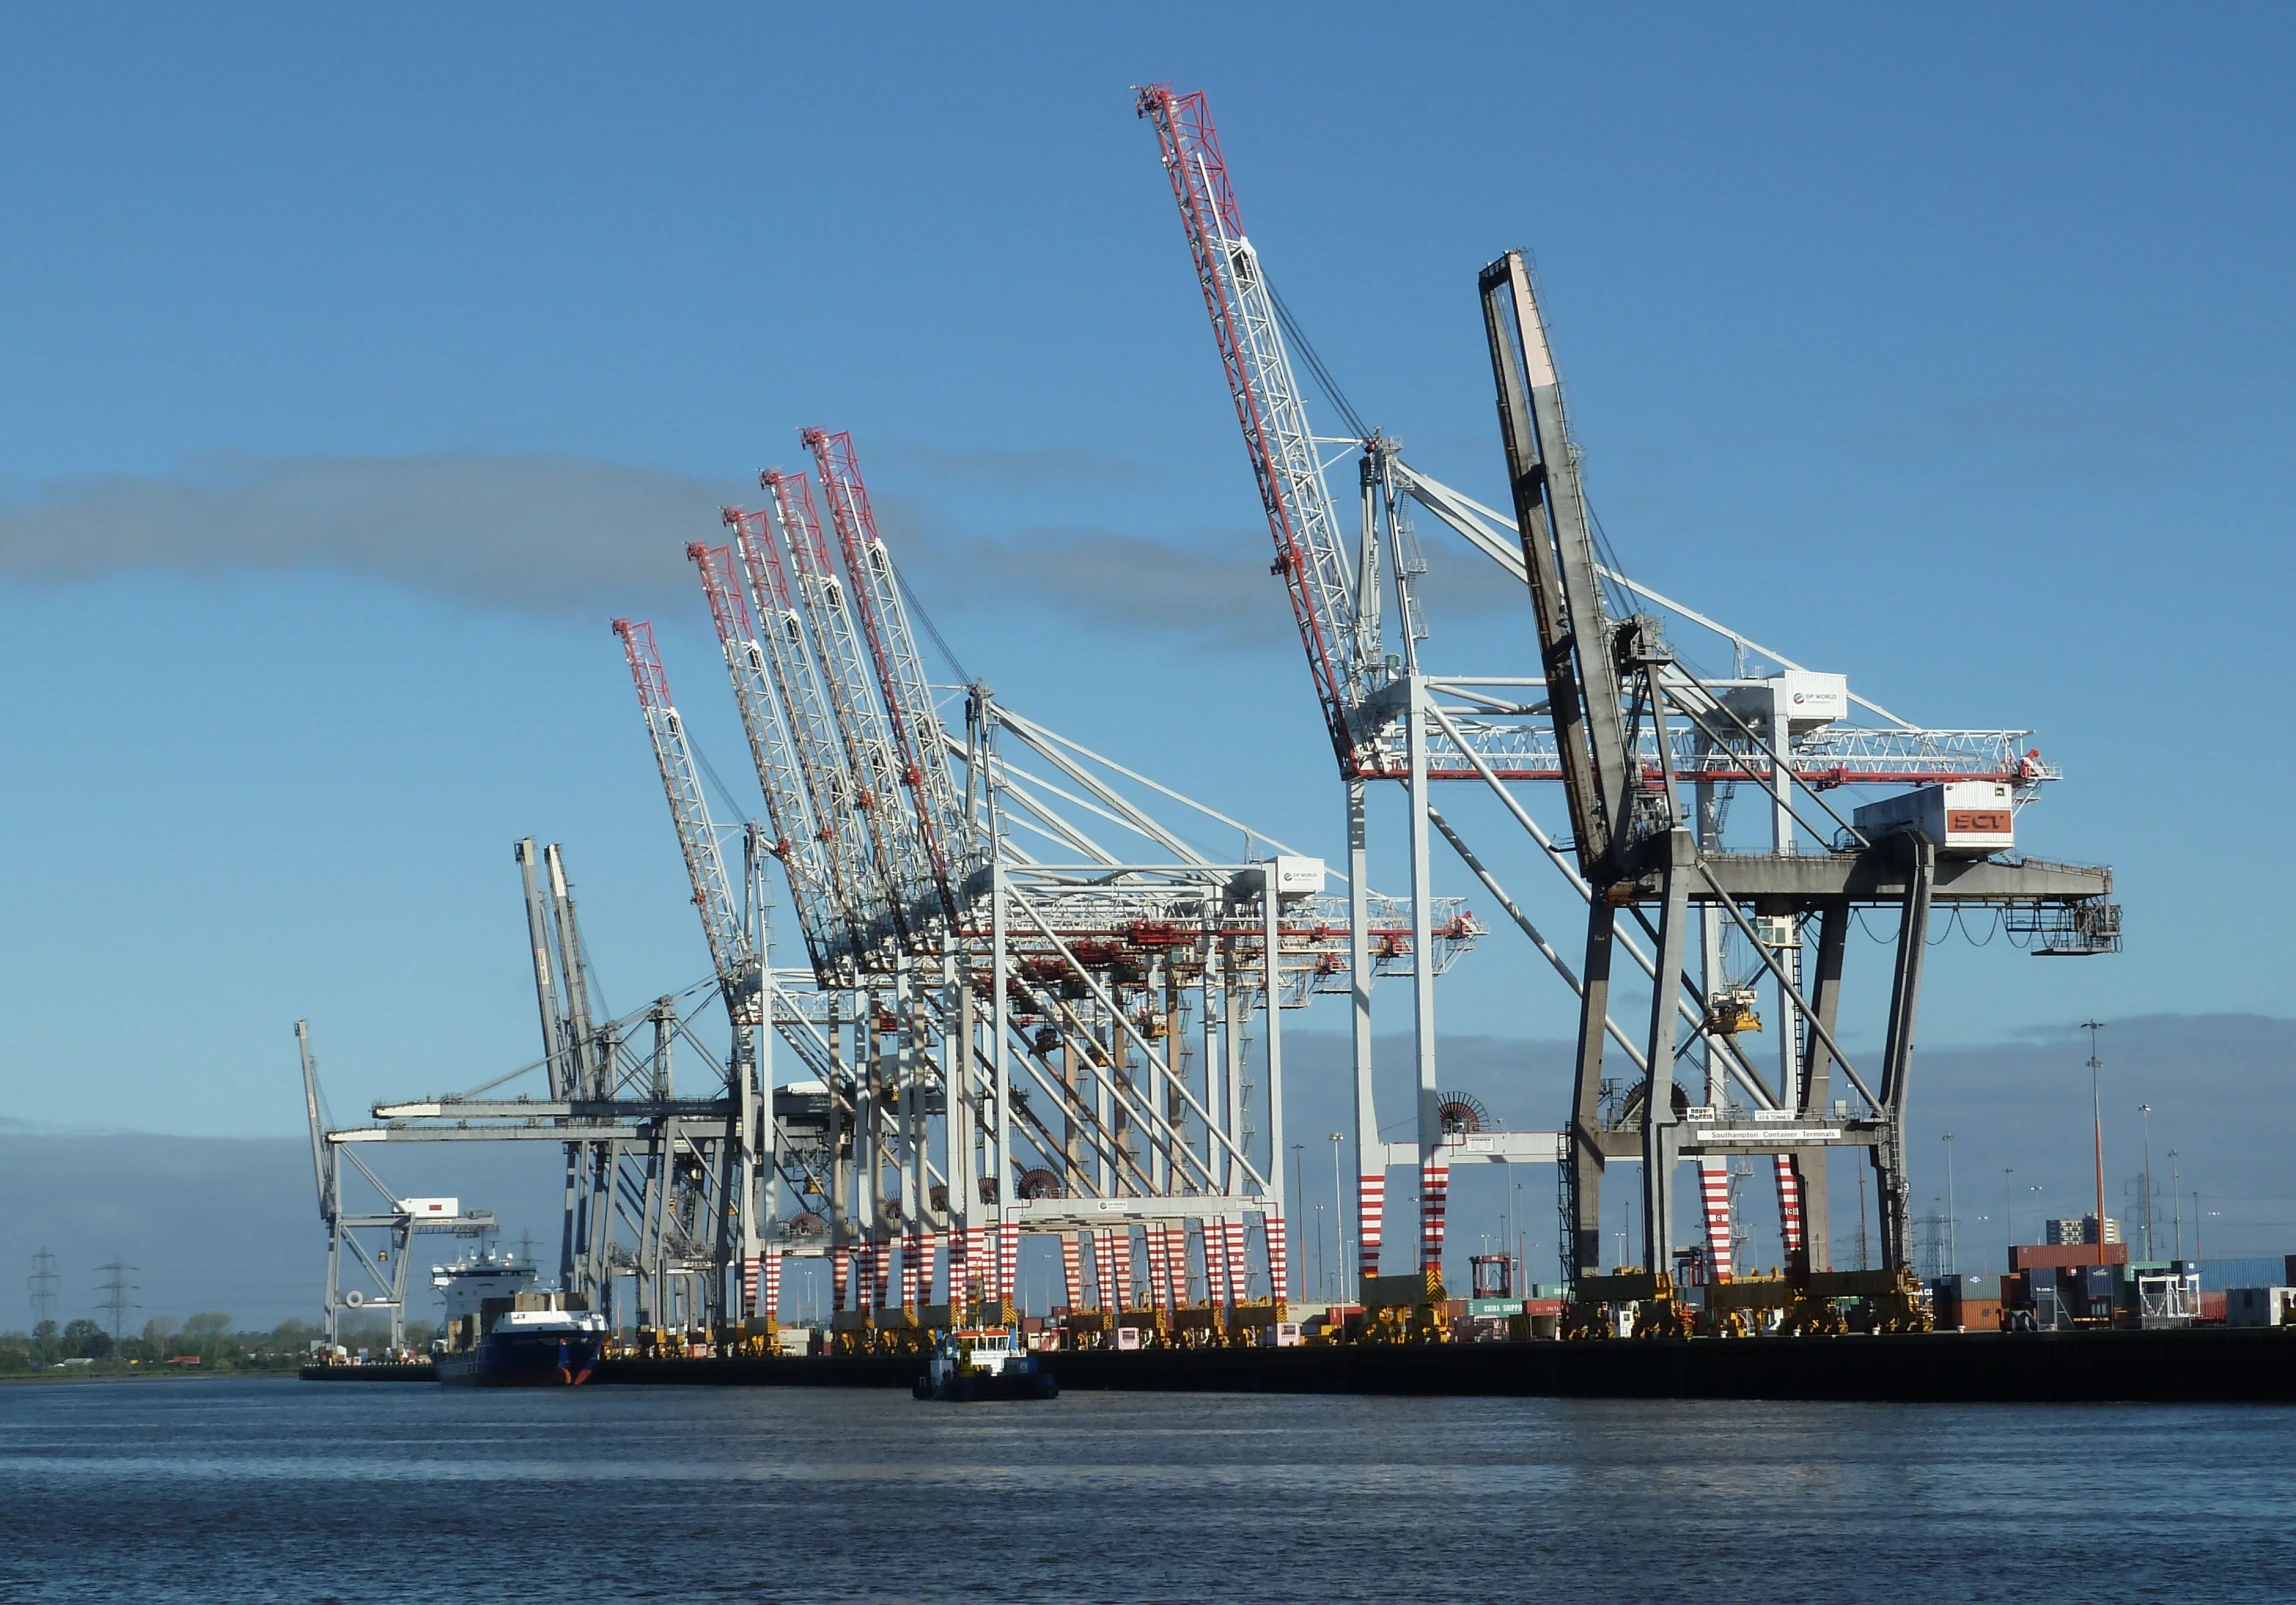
565	534
541	532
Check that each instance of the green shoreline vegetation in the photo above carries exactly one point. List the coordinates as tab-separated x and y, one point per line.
203	1344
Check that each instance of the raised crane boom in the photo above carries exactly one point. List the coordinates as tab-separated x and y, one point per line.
839	830
871	768
1310	552
916	724
1583	687
797	840
731	949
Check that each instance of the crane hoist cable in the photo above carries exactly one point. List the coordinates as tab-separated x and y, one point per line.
1306	348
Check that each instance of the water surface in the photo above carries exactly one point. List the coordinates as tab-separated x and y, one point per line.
214	1489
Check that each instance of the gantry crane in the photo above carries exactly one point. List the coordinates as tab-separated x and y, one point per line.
1388	719
737	954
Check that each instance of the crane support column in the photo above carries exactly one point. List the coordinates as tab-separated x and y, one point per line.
1582	1170
1370	1152
1661	1134
1807	1236
1434	1171
1893	1192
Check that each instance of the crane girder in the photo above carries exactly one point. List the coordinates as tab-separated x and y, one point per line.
732	952
840	833
761	693
1584	693
865	782
949	844
1310	554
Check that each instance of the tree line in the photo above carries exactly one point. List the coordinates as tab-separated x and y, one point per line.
206	1341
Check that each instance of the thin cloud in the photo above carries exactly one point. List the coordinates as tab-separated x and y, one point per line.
564	534
548	533
1013	468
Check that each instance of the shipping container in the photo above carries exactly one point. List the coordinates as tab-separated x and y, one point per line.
1962	818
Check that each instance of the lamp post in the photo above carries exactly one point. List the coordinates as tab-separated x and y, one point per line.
2175	1205
1299	1205
2008	1203
1522	1261
1322	1281
1338	1222
2145	1109
2097	1113
1952	1226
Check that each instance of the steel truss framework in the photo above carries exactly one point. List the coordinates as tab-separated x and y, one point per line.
1627	728
1007	1027
377	1242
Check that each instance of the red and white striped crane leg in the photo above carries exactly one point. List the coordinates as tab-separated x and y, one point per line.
1370	1211
1789	1207
1434	1196
1714	1191
1279	1257
1159	1271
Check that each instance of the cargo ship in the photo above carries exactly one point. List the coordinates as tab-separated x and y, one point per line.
530	1349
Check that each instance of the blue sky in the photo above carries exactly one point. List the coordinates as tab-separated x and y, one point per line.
355	370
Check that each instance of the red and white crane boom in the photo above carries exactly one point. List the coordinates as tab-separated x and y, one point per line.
918	737
817	750
797	839
1311	554
732	951
871	769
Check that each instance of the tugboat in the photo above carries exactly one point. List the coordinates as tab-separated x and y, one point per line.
531	1349
989	1363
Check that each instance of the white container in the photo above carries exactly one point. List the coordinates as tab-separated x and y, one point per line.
431	1208
1962	818
1812	701
1803	700
1298	876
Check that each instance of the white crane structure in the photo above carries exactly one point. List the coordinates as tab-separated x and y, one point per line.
1037	1033
1615	731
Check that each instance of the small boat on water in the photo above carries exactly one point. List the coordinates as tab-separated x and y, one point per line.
988	1363
531	1349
